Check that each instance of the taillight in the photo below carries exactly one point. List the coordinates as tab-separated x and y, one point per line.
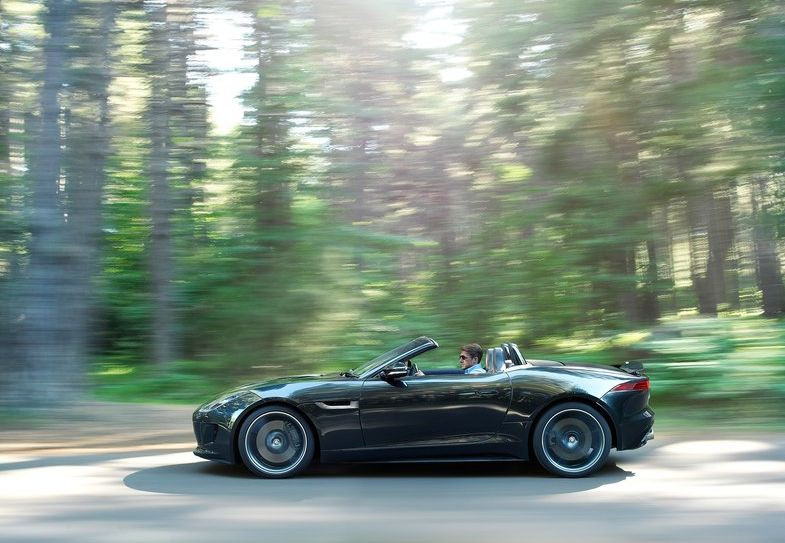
632	385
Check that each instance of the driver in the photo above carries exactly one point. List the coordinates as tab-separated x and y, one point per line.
470	357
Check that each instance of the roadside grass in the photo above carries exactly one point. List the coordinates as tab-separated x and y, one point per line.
725	372
182	382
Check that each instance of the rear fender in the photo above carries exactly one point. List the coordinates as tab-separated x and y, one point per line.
600	406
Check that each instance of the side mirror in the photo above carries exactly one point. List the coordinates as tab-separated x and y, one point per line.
394	373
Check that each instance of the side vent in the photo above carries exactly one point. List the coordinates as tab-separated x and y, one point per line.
338	404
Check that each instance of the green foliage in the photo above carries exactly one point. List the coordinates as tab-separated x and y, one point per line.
718	359
183	381
606	164
725	369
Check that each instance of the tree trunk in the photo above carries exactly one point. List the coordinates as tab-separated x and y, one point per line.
623	266
48	370
5	140
650	312
767	262
700	257
273	207
711	238
720	237
272	198
87	151
5	94
161	205
7	355
188	114
188	130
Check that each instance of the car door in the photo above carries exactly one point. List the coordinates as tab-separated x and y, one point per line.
433	409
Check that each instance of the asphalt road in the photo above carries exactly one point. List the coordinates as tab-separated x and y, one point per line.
108	474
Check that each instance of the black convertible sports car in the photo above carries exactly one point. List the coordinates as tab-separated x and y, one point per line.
568	416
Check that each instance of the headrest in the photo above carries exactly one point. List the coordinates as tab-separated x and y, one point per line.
489	356
498	360
507	351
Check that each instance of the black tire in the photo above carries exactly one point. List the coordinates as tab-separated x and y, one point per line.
572	440
276	442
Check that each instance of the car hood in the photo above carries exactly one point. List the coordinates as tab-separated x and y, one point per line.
295	379
289	381
297	389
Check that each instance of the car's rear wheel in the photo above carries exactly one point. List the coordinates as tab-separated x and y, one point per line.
276	442
572	440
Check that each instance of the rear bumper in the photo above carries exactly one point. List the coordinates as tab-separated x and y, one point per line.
633	417
635	431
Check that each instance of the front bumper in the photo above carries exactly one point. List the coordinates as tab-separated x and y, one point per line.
215	424
214	442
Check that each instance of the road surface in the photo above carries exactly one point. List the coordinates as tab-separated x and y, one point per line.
110	473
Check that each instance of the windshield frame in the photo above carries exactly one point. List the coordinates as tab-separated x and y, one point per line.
402	352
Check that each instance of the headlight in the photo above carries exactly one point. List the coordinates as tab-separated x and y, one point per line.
223	400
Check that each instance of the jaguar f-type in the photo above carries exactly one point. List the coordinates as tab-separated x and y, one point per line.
566	416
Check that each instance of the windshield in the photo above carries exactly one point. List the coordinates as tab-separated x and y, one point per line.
416	345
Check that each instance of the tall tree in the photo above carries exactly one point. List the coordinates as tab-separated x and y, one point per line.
766	44
8	256
188	153
165	343
49	372
87	147
768	265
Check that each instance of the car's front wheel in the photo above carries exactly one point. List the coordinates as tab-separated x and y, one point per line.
276	442
572	440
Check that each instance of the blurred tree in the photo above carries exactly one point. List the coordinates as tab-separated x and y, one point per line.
514	169
767	262
622	109
766	42
6	47
165	337
46	325
9	193
567	103
190	151
259	286
124	281
178	130
189	124
86	150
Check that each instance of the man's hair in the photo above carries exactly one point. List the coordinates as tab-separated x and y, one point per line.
474	350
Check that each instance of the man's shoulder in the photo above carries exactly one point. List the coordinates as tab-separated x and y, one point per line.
475	369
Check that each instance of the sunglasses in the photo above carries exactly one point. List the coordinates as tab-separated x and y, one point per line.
464	357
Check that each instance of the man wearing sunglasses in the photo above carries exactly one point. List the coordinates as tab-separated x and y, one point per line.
470	357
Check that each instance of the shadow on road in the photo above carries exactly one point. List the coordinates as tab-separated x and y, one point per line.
324	480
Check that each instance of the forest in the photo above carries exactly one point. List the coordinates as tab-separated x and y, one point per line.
194	193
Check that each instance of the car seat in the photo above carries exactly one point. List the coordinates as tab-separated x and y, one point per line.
494	360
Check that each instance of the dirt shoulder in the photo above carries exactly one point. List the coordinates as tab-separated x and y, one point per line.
99	425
